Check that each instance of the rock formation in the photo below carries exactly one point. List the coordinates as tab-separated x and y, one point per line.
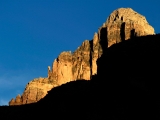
125	23
121	25
34	91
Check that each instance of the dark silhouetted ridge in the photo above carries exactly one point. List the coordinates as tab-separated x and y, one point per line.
126	87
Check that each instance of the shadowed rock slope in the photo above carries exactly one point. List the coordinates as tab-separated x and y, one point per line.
122	24
126	87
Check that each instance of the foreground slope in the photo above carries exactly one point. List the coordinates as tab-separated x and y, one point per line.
126	87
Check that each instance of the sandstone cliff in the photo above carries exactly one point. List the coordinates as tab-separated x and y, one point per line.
121	25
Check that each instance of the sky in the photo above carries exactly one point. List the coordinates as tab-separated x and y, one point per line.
34	32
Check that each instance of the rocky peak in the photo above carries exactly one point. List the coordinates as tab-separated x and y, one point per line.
126	15
122	24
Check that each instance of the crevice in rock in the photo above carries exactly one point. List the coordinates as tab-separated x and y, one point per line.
90	60
104	39
133	33
122	32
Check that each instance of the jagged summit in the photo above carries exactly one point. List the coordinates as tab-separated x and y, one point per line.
124	22
121	25
125	15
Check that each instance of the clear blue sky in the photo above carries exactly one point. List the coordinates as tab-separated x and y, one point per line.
34	32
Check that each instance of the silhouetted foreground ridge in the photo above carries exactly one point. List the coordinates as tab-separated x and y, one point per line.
126	87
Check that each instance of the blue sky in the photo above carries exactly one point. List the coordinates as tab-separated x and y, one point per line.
34	32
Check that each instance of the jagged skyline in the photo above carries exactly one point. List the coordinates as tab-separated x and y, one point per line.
33	34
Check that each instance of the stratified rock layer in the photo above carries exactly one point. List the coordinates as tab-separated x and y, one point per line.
122	24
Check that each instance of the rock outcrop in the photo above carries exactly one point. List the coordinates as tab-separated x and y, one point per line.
125	23
121	25
34	91
17	101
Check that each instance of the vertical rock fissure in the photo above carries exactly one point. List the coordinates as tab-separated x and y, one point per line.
122	32
91	57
